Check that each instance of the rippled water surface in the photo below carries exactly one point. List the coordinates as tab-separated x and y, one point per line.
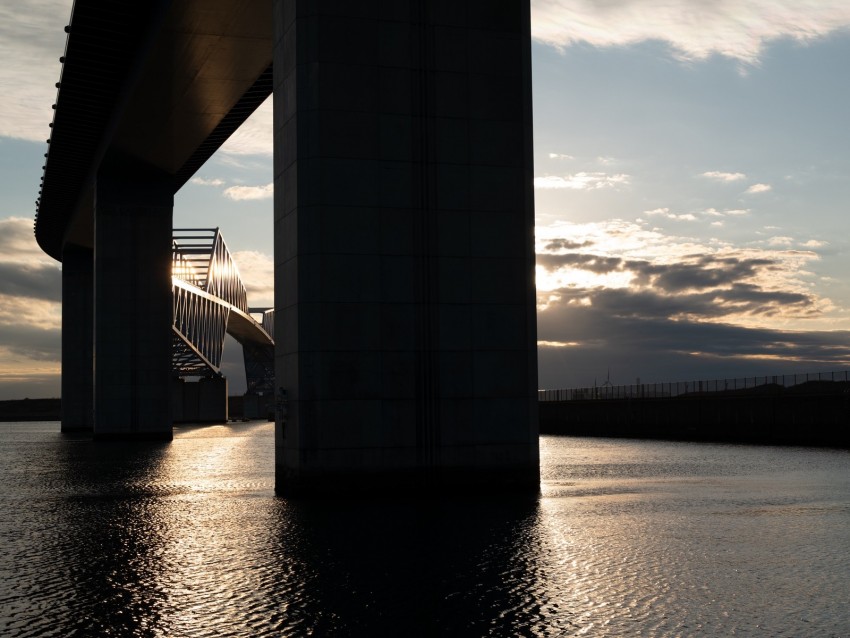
626	538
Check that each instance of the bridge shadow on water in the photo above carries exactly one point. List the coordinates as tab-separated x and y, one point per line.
187	538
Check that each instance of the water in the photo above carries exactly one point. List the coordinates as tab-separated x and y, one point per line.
626	538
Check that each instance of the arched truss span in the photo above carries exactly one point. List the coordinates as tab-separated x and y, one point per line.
210	301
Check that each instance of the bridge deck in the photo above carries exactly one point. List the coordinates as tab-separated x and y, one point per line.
112	100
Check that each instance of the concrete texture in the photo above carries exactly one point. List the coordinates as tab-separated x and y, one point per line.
202	401
133	304
212	400
404	257
77	339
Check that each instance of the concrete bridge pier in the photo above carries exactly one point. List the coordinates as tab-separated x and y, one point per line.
404	246
132	301
202	401
77	338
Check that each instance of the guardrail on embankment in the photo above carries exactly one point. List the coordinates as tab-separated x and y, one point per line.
748	385
811	409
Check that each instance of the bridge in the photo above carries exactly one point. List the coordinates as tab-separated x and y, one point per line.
403	225
210	301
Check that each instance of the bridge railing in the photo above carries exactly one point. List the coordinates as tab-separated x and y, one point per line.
682	388
200	257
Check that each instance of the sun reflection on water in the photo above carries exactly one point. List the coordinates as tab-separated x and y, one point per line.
626	537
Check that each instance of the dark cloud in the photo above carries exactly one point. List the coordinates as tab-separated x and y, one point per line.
34	281
692	272
740	299
674	323
567	244
32	343
25	271
705	272
704	286
635	335
594	263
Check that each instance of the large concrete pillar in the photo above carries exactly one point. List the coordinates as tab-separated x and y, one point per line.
404	257
77	338
212	400
133	304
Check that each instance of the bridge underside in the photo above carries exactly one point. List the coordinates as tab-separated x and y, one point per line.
403	215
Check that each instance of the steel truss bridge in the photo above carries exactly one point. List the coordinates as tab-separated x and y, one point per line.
210	302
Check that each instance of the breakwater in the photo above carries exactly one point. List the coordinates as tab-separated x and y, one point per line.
813	413
30	410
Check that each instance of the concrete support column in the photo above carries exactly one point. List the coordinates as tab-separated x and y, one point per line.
404	245
77	338
133	302
213	400
203	401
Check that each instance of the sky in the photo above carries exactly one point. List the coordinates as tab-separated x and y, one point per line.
692	189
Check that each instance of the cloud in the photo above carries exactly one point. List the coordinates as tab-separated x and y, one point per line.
662	307
658	275
17	242
705	288
657	348
581	181
724	177
254	137
32	38
700	272
21	342
200	181
693	29
560	156
36	282
758	188
240	193
729	212
257	272
30	314
780	241
26	273
593	263
708	306
690	217
665	212
567	244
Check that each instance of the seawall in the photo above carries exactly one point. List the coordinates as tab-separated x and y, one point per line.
814	416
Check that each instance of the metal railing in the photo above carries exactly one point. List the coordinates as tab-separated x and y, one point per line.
200	257
683	388
206	292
